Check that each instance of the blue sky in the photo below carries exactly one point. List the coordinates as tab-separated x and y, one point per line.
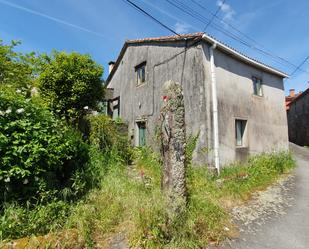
100	27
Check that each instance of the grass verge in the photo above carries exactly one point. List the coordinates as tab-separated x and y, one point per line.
129	201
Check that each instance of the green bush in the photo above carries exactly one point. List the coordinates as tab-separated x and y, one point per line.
109	137
14	67
18	221
39	154
70	82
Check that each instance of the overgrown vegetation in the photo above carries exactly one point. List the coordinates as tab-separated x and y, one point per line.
40	155
70	83
65	179
129	200
47	161
15	68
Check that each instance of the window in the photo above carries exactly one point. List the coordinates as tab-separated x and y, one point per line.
257	86
103	107
141	133
141	73
240	132
116	107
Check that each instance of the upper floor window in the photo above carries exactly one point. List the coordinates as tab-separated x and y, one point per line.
141	73
257	86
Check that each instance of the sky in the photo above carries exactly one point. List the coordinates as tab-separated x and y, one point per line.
100	27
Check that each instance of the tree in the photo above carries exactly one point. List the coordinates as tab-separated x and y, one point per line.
71	82
15	68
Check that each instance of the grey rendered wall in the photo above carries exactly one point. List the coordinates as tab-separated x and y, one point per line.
298	121
267	122
165	61
266	117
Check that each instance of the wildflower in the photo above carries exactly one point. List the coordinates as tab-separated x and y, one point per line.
9	110
142	173
25	181
7	179
165	98
86	107
20	110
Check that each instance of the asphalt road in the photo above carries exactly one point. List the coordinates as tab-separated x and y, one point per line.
291	229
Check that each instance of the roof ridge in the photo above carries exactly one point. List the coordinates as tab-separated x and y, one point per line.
168	37
199	35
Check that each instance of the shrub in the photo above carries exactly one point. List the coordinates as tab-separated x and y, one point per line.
14	68
18	221
70	82
39	154
109	137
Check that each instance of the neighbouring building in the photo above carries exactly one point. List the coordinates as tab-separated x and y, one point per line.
288	99
298	119
233	104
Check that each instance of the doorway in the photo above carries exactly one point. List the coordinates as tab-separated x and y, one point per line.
141	133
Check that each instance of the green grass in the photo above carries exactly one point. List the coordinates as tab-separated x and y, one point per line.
132	199
129	200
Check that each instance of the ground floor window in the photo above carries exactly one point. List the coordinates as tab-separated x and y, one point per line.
240	132
116	108
141	133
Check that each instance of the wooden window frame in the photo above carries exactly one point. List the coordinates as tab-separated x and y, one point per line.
138	124
138	68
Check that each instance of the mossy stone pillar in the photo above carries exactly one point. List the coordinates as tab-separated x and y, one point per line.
173	142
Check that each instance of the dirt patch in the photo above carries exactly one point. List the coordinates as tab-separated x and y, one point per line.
69	239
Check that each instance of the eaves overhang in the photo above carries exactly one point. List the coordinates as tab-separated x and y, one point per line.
198	36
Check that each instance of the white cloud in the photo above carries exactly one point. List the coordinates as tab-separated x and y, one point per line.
181	28
227	10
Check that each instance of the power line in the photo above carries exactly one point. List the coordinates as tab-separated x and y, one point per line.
186	9
214	15
191	12
249	38
245	35
223	21
302	63
135	6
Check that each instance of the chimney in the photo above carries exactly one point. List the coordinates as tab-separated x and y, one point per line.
292	92
110	66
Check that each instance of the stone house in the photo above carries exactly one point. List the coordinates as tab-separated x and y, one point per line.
298	119
233	103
